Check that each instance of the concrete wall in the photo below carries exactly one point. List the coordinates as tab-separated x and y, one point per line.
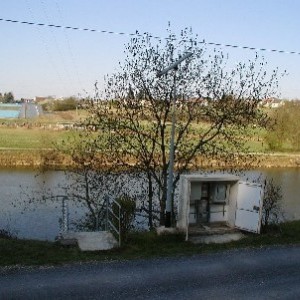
183	203
232	204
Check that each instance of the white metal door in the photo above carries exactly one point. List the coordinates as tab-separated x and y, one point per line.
249	207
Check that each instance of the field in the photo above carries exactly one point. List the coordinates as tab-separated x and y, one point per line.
48	129
9	107
23	140
40	133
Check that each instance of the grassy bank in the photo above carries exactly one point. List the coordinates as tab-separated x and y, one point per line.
139	245
50	158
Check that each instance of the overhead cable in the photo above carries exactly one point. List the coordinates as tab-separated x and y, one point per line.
156	37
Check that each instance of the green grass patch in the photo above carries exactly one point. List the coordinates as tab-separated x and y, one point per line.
23	138
139	245
41	132
10	107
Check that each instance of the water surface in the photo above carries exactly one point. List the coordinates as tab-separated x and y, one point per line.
42	220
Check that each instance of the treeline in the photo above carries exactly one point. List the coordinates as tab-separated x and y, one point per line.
284	127
70	103
7	98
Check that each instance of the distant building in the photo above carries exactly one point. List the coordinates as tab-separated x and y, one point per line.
26	100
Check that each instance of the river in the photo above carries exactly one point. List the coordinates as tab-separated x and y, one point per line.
41	220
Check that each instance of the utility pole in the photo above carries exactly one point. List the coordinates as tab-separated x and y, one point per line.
169	202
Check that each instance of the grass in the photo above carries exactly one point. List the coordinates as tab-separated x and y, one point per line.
38	133
9	107
139	245
24	138
31	133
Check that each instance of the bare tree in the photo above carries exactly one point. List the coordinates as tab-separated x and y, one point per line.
215	106
92	181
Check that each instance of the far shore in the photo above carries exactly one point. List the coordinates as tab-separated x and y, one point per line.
47	158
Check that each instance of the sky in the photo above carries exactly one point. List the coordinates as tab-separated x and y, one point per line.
43	61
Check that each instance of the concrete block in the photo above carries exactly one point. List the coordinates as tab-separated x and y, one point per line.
92	241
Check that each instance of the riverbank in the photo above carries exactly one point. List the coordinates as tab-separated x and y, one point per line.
52	159
139	245
34	159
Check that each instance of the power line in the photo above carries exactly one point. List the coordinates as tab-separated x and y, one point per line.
51	60
56	44
74	28
72	57
156	37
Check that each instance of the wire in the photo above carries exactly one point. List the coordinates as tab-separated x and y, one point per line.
47	51
156	37
71	56
75	28
56	44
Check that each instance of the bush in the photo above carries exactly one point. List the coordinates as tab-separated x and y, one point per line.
284	127
70	103
6	234
272	211
67	104
274	142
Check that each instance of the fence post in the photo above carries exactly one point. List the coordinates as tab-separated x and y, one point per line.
65	214
120	231
107	212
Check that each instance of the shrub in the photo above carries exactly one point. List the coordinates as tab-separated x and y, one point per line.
70	103
272	211
6	234
67	104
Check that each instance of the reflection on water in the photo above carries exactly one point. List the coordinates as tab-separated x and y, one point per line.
37	219
289	180
34	222
42	221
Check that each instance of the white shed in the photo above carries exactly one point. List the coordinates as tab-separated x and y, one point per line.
219	198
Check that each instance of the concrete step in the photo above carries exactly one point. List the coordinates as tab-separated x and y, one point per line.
211	229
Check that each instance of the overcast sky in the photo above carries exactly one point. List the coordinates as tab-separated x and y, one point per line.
41	61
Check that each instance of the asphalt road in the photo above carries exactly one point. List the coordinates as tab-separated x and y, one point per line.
267	273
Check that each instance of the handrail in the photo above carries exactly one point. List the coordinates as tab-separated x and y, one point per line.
112	219
113	226
110	215
64	227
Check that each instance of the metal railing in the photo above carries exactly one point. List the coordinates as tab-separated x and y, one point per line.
113	218
64	221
